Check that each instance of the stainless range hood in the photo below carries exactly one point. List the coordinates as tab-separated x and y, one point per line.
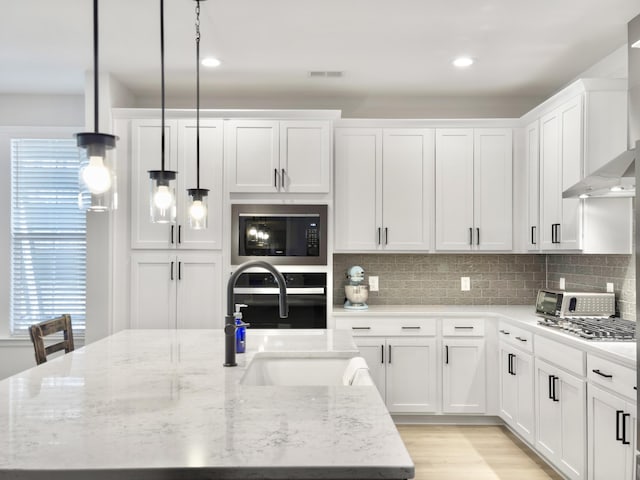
617	178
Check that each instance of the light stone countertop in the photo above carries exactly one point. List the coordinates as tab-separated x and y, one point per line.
158	404
522	315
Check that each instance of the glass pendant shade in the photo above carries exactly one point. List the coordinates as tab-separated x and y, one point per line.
198	208
163	196
97	176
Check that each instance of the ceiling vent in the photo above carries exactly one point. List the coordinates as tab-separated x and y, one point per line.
325	74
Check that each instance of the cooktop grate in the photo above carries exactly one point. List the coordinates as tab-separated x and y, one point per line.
609	329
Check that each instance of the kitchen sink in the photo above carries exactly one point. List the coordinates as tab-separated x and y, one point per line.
305	370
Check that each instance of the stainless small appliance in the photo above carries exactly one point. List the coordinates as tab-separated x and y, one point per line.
282	234
561	304
356	292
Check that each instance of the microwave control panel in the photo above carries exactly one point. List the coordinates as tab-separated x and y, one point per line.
313	240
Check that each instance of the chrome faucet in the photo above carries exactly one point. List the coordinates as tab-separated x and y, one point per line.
229	323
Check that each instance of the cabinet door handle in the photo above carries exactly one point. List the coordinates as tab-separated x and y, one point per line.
379	235
509	363
172	270
386	236
389	354
470	236
619	437
624	428
512	358
275	178
521	339
446	354
179	270
550	387
533	235
555	399
282	179
179	234
558	233
605	375
382	354
477	236
172	230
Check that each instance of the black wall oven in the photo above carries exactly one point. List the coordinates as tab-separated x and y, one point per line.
306	295
279	234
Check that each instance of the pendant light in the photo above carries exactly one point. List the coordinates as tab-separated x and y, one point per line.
163	196
97	179
198	211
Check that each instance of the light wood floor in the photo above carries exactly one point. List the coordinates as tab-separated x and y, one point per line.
451	452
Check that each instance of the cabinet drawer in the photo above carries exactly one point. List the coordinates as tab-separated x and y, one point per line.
516	336
463	327
611	375
369	326
560	354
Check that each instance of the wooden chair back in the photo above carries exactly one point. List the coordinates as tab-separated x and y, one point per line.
38	331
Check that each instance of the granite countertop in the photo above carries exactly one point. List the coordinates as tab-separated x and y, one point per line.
522	315
155	404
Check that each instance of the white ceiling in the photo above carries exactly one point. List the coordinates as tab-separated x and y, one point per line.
390	47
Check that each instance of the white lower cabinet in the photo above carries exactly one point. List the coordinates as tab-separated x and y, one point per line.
516	390
171	290
611	421
561	419
464	376
404	370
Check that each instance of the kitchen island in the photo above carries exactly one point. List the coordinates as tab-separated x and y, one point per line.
158	404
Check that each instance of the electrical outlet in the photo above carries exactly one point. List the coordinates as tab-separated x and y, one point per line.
373	283
562	285
465	284
609	287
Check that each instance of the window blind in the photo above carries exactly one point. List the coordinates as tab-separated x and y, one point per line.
48	233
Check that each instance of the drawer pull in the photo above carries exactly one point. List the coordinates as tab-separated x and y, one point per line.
504	332
521	339
605	375
360	328
411	328
464	328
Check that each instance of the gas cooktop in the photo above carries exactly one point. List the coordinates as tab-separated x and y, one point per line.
608	329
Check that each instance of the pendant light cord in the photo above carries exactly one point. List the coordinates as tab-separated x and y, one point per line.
162	77
198	94
95	65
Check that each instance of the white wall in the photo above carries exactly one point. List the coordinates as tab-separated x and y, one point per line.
363	106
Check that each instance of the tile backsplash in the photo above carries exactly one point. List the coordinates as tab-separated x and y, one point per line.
500	279
593	272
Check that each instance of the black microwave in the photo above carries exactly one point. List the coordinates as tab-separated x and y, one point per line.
279	234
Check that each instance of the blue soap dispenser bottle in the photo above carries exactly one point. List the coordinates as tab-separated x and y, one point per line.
241	329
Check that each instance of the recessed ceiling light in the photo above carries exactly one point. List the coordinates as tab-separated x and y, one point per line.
462	62
210	62
636	44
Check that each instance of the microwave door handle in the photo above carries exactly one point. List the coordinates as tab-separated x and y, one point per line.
276	291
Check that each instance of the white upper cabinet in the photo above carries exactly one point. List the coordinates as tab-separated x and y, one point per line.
532	152
474	189
384	189
560	168
580	129
305	156
272	156
180	156
357	199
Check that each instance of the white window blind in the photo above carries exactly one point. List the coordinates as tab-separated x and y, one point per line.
48	233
